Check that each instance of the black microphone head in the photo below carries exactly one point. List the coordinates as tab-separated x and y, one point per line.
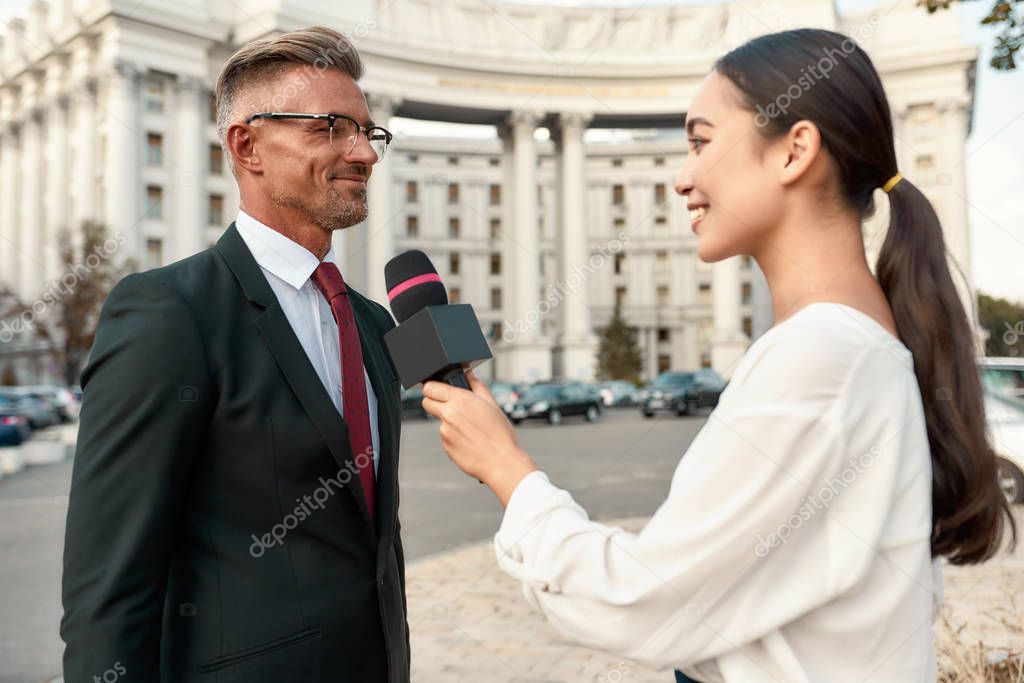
413	283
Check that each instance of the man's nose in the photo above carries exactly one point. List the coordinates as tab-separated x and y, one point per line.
363	153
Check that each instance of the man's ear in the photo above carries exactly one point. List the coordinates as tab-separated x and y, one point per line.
241	144
801	147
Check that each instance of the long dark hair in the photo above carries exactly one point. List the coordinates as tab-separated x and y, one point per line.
826	78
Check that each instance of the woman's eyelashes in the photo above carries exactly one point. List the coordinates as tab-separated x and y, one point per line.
696	143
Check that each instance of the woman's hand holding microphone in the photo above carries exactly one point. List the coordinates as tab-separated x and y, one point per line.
477	436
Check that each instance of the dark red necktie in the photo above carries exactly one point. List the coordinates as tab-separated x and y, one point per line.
356	408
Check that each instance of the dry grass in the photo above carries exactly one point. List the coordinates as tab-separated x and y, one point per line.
980	630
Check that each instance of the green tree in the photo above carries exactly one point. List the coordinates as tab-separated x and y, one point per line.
1004	322
1008	17
618	355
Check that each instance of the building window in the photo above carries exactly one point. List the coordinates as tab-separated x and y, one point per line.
620	262
495	228
494	161
154	149
619	222
412	226
454	227
453	263
748	327
659	193
154	253
659	161
618	195
154	201
453	161
620	296
745	293
745	261
215	214
616	162
495	332
453	193
704	293
661	260
705	359
495	194
413	158
496	298
660	220
664	363
216	160
211	108
664	334
495	263
925	162
412	192
154	95
453	295
663	299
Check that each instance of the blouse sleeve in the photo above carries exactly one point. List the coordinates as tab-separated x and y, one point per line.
741	546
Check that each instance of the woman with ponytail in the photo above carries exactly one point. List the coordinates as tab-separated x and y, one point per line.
801	537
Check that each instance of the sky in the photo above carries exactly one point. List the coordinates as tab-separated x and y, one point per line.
995	150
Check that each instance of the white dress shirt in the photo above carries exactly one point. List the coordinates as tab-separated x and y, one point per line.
288	266
794	545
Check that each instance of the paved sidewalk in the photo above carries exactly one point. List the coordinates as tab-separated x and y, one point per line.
469	621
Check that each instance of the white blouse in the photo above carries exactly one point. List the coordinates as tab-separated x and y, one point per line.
794	544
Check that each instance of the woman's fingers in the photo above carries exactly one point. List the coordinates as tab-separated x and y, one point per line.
478	387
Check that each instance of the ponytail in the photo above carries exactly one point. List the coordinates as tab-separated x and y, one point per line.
969	511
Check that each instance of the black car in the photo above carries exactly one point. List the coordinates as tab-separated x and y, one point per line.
683	392
553	401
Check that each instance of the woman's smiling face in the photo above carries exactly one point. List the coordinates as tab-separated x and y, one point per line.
731	186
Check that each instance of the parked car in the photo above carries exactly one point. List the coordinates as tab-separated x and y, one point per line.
552	401
683	392
412	404
619	392
1002	380
14	427
62	399
36	409
505	394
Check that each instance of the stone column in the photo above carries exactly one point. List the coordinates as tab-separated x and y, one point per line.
122	187
58	183
9	193
728	342
380	227
30	223
578	342
85	173
190	198
952	205
528	356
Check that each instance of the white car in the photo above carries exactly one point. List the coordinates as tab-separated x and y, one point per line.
1003	382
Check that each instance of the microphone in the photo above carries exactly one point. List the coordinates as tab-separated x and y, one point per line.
434	340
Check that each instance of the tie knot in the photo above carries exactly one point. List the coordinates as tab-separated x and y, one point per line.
328	280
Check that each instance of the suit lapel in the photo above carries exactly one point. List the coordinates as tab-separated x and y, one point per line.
291	358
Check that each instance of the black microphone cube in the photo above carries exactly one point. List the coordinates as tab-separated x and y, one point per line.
435	340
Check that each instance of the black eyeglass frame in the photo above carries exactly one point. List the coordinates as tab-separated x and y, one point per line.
330	119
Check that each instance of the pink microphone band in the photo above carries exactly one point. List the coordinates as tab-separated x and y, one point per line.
412	282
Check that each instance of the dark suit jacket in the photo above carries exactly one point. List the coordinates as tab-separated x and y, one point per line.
217	530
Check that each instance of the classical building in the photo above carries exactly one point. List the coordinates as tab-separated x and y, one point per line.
106	115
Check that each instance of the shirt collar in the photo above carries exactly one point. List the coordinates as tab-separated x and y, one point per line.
283	257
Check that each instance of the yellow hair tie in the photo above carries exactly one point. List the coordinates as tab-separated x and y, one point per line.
892	182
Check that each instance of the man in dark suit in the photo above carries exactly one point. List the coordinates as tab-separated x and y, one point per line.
233	510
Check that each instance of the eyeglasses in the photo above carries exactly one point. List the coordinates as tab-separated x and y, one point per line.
343	130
